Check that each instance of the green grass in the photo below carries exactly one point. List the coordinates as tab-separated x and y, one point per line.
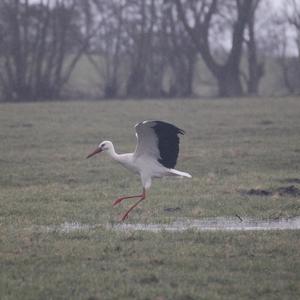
230	145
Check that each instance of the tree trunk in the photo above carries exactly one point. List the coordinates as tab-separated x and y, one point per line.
229	82
255	68
228	73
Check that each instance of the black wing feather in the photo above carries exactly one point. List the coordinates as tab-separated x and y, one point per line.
168	142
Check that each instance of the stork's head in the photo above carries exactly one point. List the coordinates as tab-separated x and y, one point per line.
103	146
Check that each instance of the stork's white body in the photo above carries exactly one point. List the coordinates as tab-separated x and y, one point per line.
144	165
155	154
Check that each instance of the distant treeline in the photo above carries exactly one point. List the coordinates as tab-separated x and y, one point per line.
134	45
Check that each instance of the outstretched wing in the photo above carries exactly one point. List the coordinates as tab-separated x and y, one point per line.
159	140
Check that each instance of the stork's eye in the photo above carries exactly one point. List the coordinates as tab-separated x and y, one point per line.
103	145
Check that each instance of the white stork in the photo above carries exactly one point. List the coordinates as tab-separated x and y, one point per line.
155	155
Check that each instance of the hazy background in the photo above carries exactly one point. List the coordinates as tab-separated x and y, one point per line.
94	49
59	235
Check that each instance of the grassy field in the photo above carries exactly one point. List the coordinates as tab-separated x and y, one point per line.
231	147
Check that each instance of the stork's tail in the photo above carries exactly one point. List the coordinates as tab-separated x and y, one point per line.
179	173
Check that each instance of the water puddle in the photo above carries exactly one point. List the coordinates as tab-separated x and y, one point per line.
65	227
206	224
214	224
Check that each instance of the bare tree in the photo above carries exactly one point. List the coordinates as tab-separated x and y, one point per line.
227	72
282	43
39	49
145	63
139	48
255	66
107	48
292	72
181	54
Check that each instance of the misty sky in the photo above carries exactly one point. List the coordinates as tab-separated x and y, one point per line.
276	6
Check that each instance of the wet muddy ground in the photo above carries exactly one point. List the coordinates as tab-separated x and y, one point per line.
206	224
290	190
214	224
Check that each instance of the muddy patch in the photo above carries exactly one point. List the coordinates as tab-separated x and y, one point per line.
266	122
172	209
20	125
255	192
290	180
290	190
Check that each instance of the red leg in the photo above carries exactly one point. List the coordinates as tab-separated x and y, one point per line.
119	200
143	196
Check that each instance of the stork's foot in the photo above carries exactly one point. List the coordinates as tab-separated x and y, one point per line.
119	200
125	216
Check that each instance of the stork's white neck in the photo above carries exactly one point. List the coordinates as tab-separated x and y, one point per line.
125	159
112	153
